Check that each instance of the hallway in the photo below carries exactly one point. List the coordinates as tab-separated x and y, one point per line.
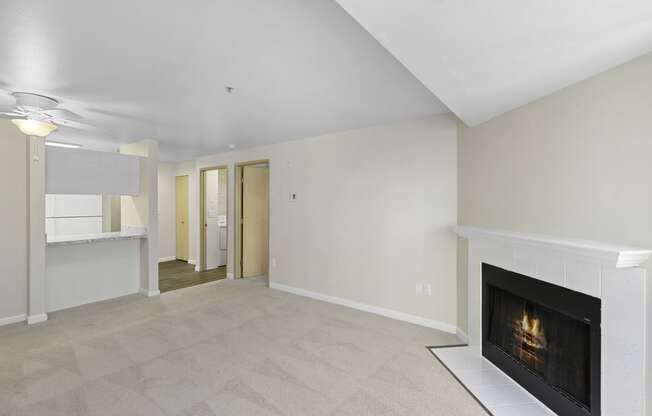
177	274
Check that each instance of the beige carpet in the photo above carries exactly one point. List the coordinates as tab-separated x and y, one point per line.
231	348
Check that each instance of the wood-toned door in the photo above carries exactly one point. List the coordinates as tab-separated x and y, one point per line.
181	192
255	220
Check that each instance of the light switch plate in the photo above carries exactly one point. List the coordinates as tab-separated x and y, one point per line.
419	289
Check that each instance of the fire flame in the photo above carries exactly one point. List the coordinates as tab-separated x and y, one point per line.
531	326
530	337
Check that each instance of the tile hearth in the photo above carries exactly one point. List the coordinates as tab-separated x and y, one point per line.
499	394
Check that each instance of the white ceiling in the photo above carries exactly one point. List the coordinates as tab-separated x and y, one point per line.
483	58
158	69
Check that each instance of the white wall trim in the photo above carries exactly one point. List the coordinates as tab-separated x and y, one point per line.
610	255
230	276
35	319
462	336
13	319
192	261
377	310
149	293
164	259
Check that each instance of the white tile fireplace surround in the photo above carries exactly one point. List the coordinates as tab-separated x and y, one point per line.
609	272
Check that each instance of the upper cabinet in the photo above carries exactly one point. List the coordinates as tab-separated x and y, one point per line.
85	172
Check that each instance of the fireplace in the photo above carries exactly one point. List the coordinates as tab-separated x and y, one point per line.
545	337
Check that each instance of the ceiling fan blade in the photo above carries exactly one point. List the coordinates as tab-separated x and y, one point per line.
11	114
62	113
73	124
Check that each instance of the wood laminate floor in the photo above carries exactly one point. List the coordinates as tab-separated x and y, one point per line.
177	274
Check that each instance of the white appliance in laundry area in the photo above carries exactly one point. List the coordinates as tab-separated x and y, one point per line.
215	221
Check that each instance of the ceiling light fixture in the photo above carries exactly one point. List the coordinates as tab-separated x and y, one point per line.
232	146
32	127
60	144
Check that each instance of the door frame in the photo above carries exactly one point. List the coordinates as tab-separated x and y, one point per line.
202	214
176	216
237	267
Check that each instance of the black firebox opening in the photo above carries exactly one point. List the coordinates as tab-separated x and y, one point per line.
545	337
553	346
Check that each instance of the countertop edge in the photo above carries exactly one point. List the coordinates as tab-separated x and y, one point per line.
96	239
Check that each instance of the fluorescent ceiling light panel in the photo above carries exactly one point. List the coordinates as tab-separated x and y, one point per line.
59	144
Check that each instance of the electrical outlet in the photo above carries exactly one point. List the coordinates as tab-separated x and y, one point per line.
293	196
427	289
419	289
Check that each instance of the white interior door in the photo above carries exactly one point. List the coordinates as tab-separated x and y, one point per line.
214	256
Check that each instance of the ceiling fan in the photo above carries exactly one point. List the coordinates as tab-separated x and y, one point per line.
38	115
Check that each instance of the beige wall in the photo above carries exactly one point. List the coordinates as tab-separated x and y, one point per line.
135	210
167	208
116	214
577	163
373	214
166	211
13	221
188	168
111	213
142	211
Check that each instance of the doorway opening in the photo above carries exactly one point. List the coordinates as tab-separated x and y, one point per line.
213	219
213	203
252	219
179	273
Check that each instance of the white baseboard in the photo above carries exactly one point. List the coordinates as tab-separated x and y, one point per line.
13	319
164	259
230	276
400	316
35	319
462	336
149	293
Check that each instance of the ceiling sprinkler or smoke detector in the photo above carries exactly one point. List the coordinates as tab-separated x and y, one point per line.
232	146
229	89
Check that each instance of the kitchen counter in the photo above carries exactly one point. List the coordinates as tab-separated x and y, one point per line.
130	234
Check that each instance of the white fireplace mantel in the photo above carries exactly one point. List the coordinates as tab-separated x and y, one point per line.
612	273
618	256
